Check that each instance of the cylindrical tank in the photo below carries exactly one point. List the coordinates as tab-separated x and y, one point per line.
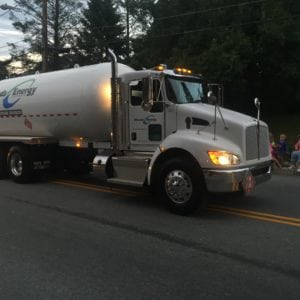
66	104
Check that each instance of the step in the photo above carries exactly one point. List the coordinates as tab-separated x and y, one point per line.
131	170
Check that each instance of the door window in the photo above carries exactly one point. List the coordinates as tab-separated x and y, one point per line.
136	92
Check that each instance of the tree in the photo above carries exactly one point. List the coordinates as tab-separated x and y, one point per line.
62	21
251	47
101	29
3	69
136	17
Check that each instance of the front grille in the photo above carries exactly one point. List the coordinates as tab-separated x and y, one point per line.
251	142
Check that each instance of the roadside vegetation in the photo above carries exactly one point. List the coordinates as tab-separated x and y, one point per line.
251	47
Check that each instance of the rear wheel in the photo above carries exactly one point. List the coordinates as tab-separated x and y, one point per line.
19	162
182	185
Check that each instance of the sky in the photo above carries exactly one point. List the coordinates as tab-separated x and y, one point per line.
7	32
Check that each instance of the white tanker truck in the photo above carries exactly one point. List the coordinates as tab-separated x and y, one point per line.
151	128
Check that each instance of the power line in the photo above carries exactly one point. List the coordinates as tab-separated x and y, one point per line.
203	29
222	27
6	46
209	10
4	14
185	14
177	15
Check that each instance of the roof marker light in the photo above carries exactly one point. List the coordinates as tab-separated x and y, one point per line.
160	67
182	71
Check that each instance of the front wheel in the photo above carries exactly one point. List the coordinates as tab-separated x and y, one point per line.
19	164
182	185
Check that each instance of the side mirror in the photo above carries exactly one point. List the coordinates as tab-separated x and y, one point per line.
212	99
257	104
147	102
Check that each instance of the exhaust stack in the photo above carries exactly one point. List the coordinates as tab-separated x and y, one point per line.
114	100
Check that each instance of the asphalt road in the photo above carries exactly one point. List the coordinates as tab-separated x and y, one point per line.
63	239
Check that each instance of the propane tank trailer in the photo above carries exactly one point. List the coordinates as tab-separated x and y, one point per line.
160	128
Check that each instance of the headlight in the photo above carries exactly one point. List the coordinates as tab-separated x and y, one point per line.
223	158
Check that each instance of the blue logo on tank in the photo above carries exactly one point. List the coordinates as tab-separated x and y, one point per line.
7	104
13	96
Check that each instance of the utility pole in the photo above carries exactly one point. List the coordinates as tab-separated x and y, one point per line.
44	38
56	49
127	5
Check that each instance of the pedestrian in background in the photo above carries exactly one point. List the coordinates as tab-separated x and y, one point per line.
295	156
283	148
273	151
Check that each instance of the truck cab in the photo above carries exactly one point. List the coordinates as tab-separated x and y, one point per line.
188	147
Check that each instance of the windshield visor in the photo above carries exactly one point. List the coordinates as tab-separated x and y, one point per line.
184	89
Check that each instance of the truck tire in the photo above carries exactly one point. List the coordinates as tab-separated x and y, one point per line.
182	185
19	162
3	163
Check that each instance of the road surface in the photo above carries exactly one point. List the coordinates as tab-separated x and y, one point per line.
75	239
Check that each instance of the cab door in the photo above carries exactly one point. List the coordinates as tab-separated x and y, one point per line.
146	127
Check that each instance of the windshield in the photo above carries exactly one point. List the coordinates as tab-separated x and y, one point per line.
184	89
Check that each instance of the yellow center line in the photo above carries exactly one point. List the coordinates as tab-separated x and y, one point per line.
114	190
217	208
256	215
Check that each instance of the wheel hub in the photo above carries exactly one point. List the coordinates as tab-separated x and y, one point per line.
178	186
16	164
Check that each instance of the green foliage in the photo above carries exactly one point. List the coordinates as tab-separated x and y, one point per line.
101	30
62	22
3	69
251	47
136	17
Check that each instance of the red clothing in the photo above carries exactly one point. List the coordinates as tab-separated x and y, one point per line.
297	146
273	151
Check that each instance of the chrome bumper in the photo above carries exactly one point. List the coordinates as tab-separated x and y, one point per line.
232	180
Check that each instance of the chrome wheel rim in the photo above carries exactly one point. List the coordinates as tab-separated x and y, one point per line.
16	164
178	186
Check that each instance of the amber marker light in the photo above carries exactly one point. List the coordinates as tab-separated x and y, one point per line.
223	158
160	67
182	71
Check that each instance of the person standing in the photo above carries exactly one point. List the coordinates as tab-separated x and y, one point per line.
283	148
295	156
273	150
